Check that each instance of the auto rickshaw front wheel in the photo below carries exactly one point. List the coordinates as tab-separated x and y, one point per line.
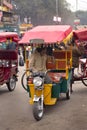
11	84
38	111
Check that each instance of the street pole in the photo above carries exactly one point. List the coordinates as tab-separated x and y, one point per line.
57	8
57	11
76	7
56	18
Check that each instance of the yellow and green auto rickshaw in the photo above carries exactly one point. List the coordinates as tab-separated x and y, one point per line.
60	71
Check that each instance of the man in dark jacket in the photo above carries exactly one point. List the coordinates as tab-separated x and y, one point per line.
77	52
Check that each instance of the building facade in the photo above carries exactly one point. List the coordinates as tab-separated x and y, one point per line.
8	20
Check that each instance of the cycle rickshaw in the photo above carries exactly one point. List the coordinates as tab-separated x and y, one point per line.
8	59
81	36
60	71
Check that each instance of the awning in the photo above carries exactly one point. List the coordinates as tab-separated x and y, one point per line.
5	35
49	33
80	34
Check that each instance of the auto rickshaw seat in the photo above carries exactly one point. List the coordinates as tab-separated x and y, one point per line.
63	59
59	54
50	64
8	55
56	76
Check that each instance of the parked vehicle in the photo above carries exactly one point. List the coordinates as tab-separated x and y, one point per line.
80	36
8	59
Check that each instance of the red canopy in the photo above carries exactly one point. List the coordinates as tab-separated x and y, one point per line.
80	34
5	35
49	33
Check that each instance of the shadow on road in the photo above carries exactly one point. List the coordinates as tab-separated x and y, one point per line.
4	91
60	102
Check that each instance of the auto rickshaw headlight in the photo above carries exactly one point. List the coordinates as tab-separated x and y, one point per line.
37	81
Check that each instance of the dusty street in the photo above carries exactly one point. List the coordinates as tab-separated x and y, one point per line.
16	112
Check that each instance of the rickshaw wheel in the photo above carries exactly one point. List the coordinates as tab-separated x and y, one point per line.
71	90
38	111
23	80
84	81
68	93
11	84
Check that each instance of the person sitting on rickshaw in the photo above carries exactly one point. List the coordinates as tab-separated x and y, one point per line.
84	44
77	52
37	62
11	44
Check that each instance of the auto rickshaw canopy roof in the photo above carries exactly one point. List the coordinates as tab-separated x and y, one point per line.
49	33
80	34
7	35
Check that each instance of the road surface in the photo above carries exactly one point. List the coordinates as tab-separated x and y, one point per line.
16	112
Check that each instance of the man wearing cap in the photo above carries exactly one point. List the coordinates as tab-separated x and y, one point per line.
38	60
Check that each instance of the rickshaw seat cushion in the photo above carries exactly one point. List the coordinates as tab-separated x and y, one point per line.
83	60
50	65
55	76
8	55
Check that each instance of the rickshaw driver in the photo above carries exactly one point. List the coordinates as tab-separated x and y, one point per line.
37	62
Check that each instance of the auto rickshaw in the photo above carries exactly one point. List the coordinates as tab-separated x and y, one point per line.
60	71
8	59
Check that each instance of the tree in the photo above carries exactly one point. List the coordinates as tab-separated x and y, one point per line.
42	11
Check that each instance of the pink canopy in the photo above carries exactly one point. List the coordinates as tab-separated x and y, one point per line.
49	33
80	34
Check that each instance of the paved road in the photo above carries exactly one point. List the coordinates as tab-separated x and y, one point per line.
16	112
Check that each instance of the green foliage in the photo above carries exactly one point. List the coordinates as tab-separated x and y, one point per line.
42	11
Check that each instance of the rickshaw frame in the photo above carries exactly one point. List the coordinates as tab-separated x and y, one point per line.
9	61
80	36
62	68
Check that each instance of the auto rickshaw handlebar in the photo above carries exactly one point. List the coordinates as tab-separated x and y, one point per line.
37	73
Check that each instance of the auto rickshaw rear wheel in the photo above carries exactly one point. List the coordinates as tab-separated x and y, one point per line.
68	92
11	84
